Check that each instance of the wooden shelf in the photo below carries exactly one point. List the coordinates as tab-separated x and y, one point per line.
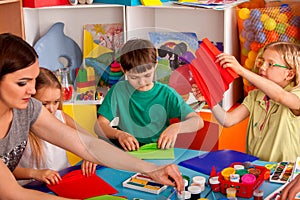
11	17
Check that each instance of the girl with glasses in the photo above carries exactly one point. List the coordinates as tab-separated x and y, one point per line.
273	132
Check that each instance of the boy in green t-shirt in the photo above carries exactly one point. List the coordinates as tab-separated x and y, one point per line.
144	107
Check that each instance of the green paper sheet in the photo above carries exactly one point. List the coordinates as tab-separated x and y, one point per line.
106	197
151	151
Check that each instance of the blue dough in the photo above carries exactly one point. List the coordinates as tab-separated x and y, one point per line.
55	44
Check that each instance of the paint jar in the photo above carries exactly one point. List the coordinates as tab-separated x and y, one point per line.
227	171
186	180
238	167
241	172
258	195
200	180
185	195
231	192
215	184
235	178
195	192
248	179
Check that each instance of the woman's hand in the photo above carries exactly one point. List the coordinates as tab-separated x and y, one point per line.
291	190
88	168
168	175
127	141
47	175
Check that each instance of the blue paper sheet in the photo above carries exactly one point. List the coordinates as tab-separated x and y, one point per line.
220	159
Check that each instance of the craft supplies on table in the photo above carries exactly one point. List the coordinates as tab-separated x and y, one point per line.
282	172
144	183
247	183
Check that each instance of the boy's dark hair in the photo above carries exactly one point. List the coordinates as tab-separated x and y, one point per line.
138	55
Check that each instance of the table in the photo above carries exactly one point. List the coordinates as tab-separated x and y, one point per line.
116	177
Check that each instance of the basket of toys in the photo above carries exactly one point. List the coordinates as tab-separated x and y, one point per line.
261	26
243	178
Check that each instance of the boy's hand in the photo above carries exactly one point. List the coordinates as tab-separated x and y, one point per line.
47	175
88	168
127	141
168	137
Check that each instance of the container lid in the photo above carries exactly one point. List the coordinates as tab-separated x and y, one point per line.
194	189
248	178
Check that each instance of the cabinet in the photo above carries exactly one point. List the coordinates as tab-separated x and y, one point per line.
217	25
11	17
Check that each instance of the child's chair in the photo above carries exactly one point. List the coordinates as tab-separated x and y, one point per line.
86	116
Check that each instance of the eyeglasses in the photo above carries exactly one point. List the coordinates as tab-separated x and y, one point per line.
260	62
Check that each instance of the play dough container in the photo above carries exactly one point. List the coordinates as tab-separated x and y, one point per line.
247	183
227	171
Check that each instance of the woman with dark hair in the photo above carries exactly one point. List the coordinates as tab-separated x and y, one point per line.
19	113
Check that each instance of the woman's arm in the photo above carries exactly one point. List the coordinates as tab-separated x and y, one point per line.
10	189
98	151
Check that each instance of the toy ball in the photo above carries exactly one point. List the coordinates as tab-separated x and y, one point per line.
274	12
260	37
258	26
249	63
252	55
284	38
243	33
295	21
293	40
250	36
244	13
247	45
264	17
255	46
242	39
280	28
284	8
245	51
247	24
272	36
270	24
292	31
282	18
255	15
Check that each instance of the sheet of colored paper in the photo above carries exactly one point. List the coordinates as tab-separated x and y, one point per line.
219	159
151	151
107	197
76	185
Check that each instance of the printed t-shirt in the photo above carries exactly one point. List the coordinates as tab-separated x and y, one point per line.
14	143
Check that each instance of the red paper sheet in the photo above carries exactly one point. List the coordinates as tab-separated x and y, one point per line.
75	185
210	77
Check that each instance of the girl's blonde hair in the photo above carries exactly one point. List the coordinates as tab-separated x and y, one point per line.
290	53
45	79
